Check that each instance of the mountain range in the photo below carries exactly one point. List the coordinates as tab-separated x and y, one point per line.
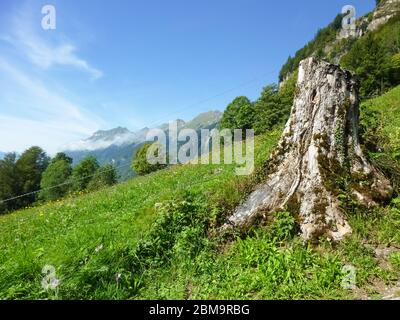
117	146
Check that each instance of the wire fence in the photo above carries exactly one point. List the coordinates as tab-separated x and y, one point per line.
149	125
152	124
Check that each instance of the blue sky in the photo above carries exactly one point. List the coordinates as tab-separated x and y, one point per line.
139	63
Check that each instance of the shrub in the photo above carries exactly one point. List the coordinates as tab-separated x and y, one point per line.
284	226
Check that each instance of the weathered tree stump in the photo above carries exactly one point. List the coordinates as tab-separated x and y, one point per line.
318	153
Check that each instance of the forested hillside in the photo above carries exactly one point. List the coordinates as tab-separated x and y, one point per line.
373	54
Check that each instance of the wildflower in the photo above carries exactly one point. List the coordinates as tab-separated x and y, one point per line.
98	248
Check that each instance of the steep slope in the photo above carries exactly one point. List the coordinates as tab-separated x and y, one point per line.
385	10
381	122
380	129
319	146
105	138
206	120
114	146
154	238
332	43
78	235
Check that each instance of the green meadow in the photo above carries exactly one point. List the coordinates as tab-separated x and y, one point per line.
159	236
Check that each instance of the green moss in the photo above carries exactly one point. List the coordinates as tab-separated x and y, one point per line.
320	209
341	134
323	140
293	206
331	172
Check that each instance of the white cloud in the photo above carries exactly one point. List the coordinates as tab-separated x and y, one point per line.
91	145
32	112
21	134
42	52
46	56
57	119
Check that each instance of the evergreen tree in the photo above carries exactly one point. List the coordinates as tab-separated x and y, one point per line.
267	110
273	107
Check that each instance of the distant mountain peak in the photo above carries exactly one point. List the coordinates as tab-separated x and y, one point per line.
118	145
205	120
165	126
109	134
121	136
103	139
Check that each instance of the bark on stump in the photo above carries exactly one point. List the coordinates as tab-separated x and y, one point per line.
318	151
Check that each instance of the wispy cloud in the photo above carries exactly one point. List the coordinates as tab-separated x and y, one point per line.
41	52
33	110
23	133
58	117
46	56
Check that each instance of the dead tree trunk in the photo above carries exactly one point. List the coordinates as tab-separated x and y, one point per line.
318	153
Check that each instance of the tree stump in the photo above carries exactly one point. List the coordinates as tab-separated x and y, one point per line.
318	153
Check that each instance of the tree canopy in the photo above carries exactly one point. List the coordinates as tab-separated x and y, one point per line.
54	178
140	163
239	114
104	176
29	168
9	182
83	173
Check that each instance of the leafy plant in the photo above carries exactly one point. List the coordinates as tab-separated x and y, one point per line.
395	260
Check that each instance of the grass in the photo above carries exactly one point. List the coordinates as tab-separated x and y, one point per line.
395	260
157	237
66	233
381	121
380	128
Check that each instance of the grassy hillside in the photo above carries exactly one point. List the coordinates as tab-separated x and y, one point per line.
66	233
157	237
380	129
381	117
